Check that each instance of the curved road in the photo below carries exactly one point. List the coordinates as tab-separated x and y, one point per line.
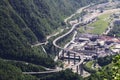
60	37
78	11
54	43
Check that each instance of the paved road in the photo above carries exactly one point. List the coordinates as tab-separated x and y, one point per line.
64	35
70	31
44	72
55	44
65	49
78	11
39	44
48	37
52	35
60	37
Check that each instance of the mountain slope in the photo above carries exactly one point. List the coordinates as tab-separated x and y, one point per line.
10	72
25	22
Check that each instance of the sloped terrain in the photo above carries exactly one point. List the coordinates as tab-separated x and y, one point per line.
25	22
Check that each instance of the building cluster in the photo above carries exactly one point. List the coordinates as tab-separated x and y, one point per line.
94	45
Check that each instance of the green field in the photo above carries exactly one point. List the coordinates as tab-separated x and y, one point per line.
101	24
98	26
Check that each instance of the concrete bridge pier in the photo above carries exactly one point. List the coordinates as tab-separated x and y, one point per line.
79	59
62	55
78	69
55	50
68	57
63	52
74	59
81	69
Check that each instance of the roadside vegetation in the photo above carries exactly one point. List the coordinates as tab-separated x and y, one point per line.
105	71
109	71
12	72
25	22
63	75
88	66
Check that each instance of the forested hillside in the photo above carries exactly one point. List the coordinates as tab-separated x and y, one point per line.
25	22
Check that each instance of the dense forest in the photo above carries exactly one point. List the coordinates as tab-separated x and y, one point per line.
116	29
109	71
26	22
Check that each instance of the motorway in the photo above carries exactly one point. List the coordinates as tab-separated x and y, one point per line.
70	31
57	46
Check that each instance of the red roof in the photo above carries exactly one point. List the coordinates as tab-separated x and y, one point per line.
108	38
